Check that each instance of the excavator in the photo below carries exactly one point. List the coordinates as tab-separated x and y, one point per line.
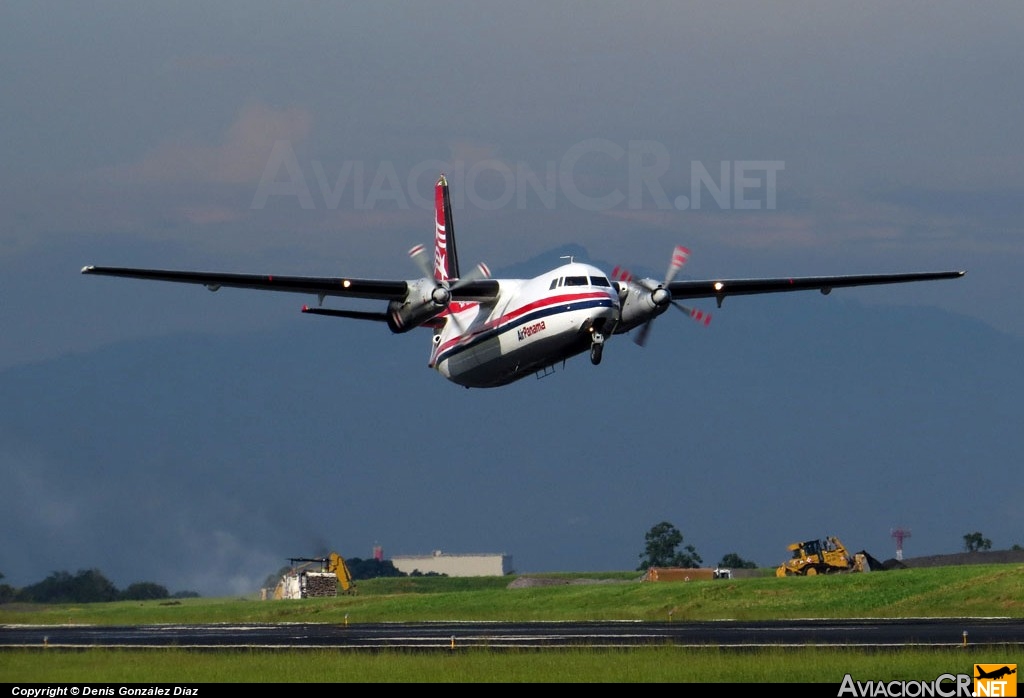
302	582
824	556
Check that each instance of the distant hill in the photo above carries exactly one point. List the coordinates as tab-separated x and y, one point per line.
205	461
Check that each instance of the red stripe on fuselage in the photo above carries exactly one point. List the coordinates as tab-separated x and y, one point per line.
513	315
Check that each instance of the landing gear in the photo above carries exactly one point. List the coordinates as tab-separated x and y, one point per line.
596	348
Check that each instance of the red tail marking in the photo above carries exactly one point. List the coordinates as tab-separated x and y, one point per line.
440	234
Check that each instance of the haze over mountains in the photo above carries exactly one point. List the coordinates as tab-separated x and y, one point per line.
204	461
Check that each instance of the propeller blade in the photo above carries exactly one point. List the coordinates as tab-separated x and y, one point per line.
620	274
698	315
419	256
680	255
480	271
645	330
458	325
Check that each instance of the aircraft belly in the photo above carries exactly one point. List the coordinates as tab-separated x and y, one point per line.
479	356
523	350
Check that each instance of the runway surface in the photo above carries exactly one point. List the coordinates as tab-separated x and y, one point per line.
928	632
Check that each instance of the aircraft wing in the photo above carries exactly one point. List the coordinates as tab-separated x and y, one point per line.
720	288
378	289
317	285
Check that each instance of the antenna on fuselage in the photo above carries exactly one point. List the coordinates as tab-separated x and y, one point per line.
569	257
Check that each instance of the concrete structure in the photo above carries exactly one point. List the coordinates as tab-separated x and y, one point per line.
469	565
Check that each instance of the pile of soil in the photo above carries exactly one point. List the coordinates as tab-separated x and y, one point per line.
987	557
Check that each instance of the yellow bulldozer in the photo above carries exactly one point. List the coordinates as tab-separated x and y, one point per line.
823	556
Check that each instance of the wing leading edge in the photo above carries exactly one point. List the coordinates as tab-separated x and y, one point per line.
323	285
345	287
720	288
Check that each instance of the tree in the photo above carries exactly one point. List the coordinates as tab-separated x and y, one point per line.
7	592
87	586
372	568
185	594
974	542
663	541
734	561
144	591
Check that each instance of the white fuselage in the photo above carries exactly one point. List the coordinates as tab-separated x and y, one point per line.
534	324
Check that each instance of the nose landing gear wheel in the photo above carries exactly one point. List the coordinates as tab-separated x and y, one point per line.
595	353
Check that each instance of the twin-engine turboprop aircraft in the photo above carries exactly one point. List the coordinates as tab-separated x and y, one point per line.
490	332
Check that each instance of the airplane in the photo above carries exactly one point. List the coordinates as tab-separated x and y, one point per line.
995	674
490	332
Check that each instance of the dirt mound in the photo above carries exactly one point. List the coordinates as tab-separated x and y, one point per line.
873	563
987	557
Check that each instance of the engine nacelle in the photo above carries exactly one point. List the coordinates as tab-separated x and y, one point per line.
637	306
424	301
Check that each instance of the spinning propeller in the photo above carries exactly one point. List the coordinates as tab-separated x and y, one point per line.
441	296
659	294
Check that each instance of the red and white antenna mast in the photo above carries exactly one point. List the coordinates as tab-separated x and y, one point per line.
899	534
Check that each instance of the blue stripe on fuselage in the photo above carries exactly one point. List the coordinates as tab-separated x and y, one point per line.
524	320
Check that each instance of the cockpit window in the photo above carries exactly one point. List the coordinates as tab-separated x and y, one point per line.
599	281
554	283
576	281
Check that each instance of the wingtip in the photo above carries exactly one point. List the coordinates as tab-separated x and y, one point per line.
87	268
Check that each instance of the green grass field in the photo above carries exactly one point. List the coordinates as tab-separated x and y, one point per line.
973	590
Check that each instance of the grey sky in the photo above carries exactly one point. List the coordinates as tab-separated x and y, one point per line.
893	123
139	134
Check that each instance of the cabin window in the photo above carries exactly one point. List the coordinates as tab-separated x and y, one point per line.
576	281
599	281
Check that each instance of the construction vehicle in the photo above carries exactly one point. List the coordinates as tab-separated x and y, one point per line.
825	556
304	582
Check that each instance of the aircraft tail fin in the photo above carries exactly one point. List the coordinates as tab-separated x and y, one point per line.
446	258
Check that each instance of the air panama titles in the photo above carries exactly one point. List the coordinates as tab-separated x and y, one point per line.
530	330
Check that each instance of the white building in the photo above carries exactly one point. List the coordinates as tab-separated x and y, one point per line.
470	565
